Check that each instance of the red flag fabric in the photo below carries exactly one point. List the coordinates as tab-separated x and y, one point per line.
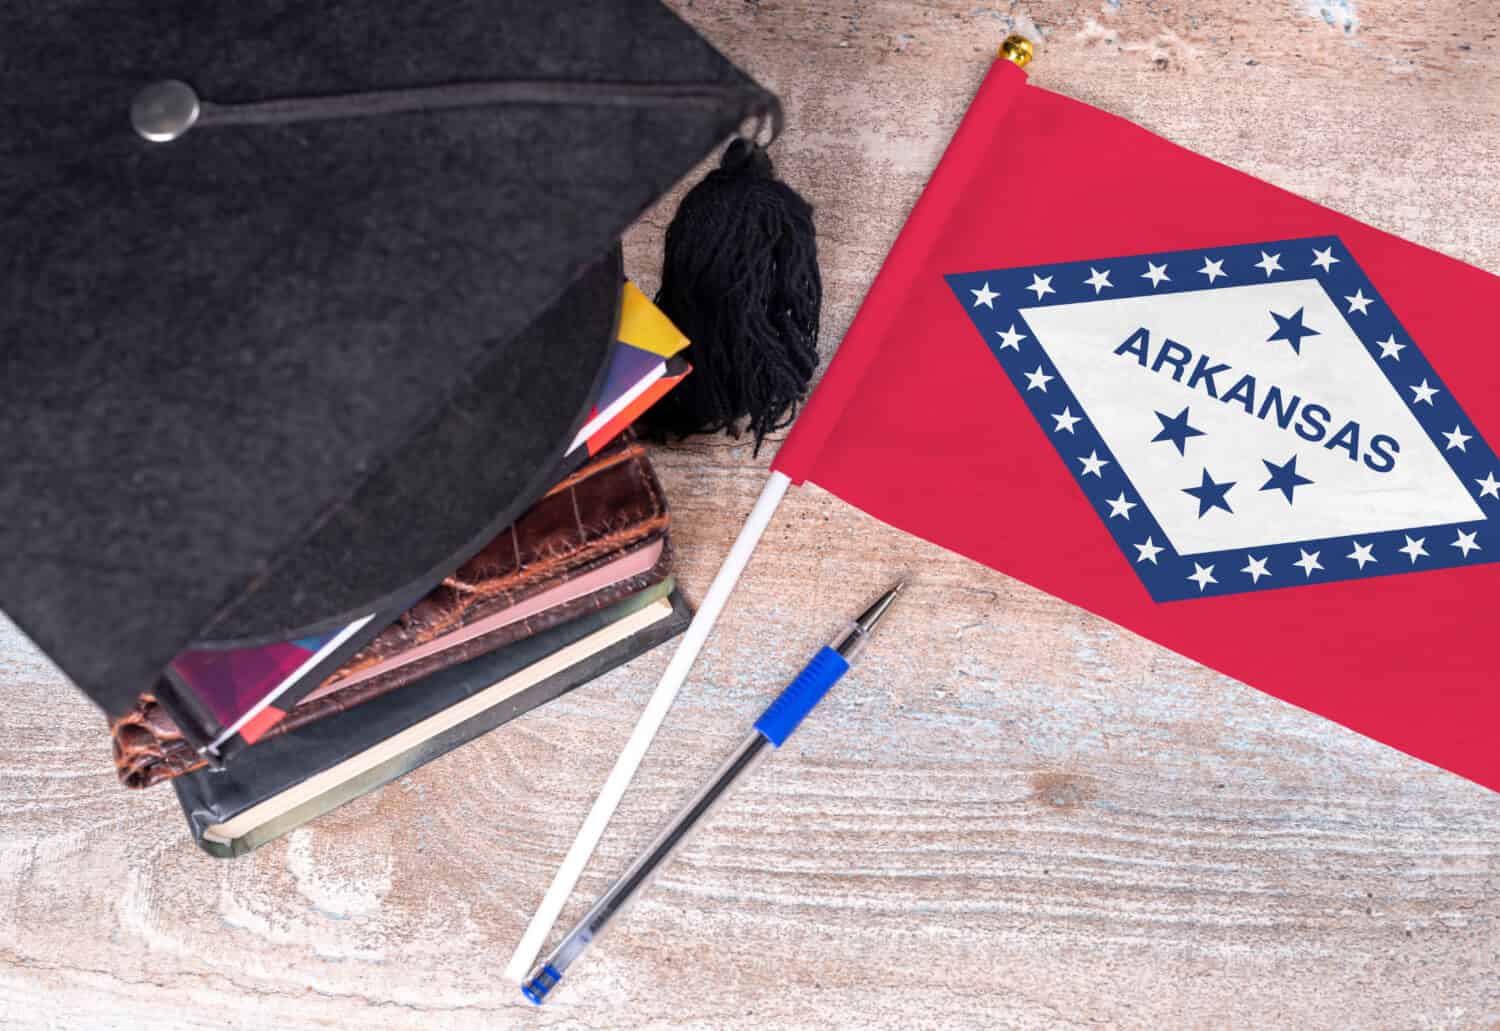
1233	421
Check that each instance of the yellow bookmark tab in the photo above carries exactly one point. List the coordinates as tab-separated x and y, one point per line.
643	325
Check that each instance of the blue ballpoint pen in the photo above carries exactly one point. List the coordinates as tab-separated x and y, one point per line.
773	728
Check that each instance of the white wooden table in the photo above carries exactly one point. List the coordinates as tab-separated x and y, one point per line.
1013	814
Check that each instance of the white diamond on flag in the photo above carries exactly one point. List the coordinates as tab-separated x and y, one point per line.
1248	413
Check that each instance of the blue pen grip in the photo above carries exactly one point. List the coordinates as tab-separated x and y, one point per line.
801	696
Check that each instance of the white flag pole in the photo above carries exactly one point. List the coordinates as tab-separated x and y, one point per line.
645	729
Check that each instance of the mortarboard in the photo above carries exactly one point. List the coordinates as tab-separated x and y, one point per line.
300	303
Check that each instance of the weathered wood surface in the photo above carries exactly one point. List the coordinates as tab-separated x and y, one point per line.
1012	815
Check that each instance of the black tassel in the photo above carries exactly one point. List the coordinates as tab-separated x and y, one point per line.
740	279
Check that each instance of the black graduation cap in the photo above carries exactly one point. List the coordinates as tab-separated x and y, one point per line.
300	303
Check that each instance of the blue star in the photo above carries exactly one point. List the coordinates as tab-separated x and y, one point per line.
1292	330
1284	477
1177	430
1210	495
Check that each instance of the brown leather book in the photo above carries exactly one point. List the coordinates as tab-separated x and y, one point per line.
596	538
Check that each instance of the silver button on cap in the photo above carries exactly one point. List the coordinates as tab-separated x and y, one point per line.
163	111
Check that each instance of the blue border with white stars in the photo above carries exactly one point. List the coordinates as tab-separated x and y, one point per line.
993	299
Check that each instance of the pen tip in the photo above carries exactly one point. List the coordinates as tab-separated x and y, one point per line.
873	614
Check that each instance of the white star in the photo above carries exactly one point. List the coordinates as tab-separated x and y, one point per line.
1148	551
1389	348
1359	302
985	296
1202	576
1457	438
1270	262
1038	380
1010	338
1308	562
1256	568
1414	549
1212	269
1098	280
1093	463
1066	420
1362	553
1423	393
1489	487
1465	542
1324	259
1119	506
1043	287
1156	273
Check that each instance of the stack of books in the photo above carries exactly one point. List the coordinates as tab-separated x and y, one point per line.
258	740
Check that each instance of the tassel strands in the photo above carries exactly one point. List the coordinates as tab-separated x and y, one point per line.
740	279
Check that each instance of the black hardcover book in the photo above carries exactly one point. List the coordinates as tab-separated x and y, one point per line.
287	780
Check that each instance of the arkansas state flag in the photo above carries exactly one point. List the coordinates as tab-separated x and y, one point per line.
1240	424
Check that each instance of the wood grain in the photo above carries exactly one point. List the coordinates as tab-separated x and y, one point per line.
1012	815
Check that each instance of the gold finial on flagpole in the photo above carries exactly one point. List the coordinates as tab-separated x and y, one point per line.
1017	50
